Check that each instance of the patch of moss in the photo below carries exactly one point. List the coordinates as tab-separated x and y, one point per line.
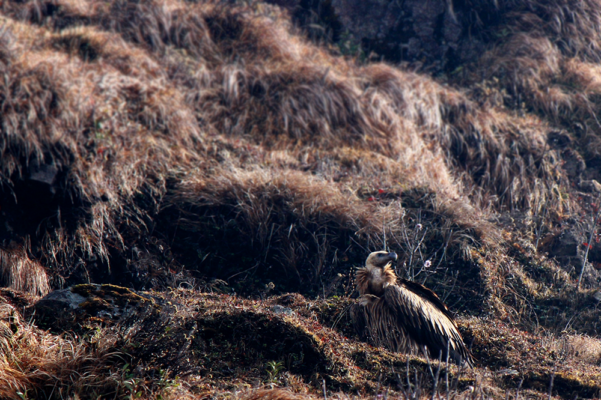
120	294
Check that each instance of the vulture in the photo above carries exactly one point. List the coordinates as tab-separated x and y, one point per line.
404	316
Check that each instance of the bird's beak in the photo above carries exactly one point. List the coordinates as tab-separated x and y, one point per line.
393	256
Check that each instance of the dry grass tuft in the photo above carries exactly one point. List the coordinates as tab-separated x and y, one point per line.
309	229
86	123
21	273
274	394
545	61
503	160
578	347
39	364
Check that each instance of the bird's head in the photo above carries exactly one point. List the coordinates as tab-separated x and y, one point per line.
380	259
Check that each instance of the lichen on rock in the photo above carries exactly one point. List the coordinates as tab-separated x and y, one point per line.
101	303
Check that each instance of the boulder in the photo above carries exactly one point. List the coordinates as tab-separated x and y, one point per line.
80	305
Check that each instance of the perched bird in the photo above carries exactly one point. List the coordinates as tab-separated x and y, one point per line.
402	315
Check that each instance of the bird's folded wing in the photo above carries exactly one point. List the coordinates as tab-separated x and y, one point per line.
424	319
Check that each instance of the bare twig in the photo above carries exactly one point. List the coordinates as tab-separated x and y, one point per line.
447	370
551	382
589	244
539	227
517	391
437	377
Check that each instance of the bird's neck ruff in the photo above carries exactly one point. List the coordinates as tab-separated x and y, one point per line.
373	280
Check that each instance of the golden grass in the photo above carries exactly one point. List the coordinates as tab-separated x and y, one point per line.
21	273
38	364
578	347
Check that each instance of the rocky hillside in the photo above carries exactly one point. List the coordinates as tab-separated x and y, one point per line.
202	178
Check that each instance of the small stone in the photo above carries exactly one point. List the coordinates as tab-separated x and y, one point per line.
591	186
278	309
45	174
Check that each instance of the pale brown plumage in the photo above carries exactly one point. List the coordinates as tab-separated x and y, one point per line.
403	315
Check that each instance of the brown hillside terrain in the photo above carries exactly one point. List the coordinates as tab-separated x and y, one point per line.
220	171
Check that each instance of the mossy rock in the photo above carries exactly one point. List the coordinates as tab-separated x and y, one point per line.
82	305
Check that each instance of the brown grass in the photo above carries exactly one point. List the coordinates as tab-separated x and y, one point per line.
126	132
21	273
105	132
41	365
273	395
546	63
202	143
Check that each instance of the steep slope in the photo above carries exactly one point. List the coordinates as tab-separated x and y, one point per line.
160	143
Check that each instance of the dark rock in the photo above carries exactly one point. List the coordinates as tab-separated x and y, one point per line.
278	309
62	299
71	308
44	174
574	164
42	179
566	244
368	19
591	186
567	247
559	139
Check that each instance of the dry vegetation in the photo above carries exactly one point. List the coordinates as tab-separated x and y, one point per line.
162	144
